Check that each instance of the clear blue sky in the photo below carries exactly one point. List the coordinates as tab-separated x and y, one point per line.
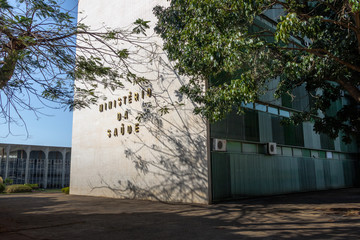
52	130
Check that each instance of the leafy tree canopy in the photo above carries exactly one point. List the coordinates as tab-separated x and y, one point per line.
315	44
38	43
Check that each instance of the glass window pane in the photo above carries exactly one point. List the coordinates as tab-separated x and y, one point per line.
314	154
233	146
294	135
277	130
326	142
273	110
284	113
286	100
249	148
260	107
247	105
306	153
322	154
286	151
298	152
251	125
235	126
218	129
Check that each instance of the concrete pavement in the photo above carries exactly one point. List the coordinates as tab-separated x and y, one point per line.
331	214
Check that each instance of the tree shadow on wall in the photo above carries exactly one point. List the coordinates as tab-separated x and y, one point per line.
171	159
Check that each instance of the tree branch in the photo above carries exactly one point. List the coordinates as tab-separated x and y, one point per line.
353	91
321	53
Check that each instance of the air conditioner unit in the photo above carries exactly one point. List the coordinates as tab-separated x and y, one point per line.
271	148
219	145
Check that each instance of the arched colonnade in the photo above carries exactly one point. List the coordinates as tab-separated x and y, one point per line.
45	165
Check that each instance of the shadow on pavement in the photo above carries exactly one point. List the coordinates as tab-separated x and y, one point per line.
294	216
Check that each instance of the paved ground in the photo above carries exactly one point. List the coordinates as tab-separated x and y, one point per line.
320	215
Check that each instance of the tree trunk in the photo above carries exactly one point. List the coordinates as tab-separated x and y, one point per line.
357	24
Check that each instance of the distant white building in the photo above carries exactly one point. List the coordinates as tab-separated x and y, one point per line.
47	166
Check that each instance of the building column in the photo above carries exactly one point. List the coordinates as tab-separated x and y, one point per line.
46	167
1	159
28	151
8	148
63	168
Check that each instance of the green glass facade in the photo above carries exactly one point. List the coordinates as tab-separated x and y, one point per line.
305	161
245	171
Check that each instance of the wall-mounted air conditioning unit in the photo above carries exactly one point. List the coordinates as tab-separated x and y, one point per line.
271	148
219	145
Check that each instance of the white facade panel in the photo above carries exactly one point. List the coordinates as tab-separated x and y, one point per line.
167	158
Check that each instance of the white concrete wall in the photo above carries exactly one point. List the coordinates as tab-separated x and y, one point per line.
166	160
